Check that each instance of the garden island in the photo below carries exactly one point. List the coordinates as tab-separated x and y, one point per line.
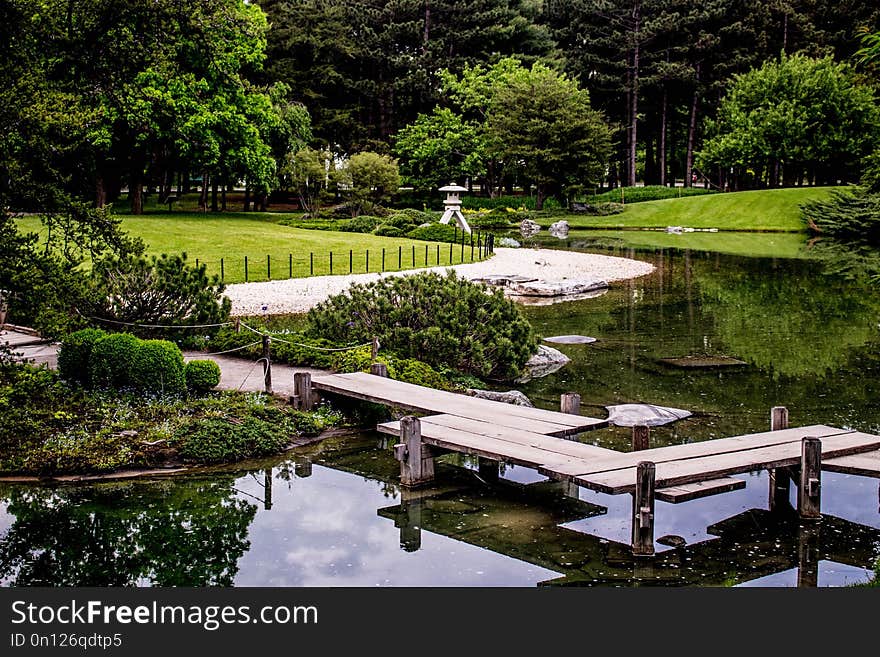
483	294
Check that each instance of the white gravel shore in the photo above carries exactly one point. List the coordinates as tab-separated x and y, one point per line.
299	294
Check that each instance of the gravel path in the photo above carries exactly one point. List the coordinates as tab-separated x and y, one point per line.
299	294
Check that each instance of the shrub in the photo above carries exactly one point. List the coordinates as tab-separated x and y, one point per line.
73	357
411	217
158	367
434	233
495	219
441	320
851	215
389	231
508	242
363	224
419	373
112	360
201	375
216	440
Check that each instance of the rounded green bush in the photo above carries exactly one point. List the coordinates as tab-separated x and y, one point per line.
73	357
201	375
214	440
158	367
363	224
112	360
434	233
388	231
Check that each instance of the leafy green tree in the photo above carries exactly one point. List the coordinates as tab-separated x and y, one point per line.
368	179
440	147
794	118
307	171
541	123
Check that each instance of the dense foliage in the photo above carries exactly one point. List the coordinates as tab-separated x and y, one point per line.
201	375
442	320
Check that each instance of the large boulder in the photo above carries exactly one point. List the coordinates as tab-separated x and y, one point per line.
514	397
546	361
559	229
557	288
529	228
646	415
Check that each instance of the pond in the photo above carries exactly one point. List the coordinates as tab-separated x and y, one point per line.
332	514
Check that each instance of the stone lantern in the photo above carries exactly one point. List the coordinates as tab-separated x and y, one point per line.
452	206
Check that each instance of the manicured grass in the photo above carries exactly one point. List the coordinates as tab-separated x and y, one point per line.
755	245
232	236
769	210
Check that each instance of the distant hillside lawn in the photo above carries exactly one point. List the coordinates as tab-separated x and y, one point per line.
768	210
232	236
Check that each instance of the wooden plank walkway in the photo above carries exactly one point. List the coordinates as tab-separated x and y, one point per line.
369	387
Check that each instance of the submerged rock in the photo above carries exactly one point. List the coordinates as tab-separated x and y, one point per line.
646	415
514	397
556	289
570	339
546	361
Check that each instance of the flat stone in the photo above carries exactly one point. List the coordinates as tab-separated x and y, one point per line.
549	301
703	361
631	415
514	397
546	361
570	339
556	289
672	541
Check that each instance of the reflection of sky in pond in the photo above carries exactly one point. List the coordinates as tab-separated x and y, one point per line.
323	530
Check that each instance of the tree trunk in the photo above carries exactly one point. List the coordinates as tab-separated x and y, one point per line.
203	194
632	136
214	191
135	189
692	130
100	191
247	197
539	196
223	198
661	155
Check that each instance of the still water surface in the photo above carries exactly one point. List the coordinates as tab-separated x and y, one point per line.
332	514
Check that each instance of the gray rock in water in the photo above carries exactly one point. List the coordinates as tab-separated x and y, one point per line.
514	397
529	228
570	339
672	541
647	415
546	361
559	229
556	289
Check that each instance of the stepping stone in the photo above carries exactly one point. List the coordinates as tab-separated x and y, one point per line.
672	541
703	361
631	415
570	339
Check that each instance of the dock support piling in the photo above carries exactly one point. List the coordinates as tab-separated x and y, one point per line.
780	478
488	470
303	399
643	511
570	402
374	350
808	555
641	437
416	459
379	369
267	489
409	521
809	488
267	366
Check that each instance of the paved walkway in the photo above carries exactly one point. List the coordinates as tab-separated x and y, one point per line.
235	373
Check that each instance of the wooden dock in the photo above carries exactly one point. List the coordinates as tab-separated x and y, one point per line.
497	432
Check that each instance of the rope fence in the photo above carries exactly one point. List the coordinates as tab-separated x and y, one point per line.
279	266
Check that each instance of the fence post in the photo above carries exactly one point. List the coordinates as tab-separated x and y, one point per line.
374	351
222	270
383	258
426	255
570	402
289	265
379	369
472	247
245	270
238	324
311	263
350	261
331	262
438	255
413	255
780	478
399	257
450	253
268	267
302	391
267	366
197	263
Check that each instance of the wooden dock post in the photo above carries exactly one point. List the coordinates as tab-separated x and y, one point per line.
643	511
808	555
570	402
267	489
302	467
809	488
374	351
238	324
780	478
641	437
416	459
488	469
379	369
303	399
409	521
267	366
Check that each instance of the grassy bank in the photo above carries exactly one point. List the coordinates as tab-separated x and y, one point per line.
763	210
232	236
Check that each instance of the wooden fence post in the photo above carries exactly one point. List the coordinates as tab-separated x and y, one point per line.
222	271
570	402
302	391
245	270
267	366
416	459
809	489
238	324
780	478
311	263
641	437
643	511
268	267
289	265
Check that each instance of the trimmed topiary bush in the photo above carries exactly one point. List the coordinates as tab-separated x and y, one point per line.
201	375
112	360
434	233
363	224
389	231
158	367
73	357
444	321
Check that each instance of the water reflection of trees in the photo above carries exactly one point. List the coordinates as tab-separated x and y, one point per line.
185	533
790	320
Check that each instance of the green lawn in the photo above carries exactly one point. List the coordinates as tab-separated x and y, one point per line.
768	210
232	236
755	245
